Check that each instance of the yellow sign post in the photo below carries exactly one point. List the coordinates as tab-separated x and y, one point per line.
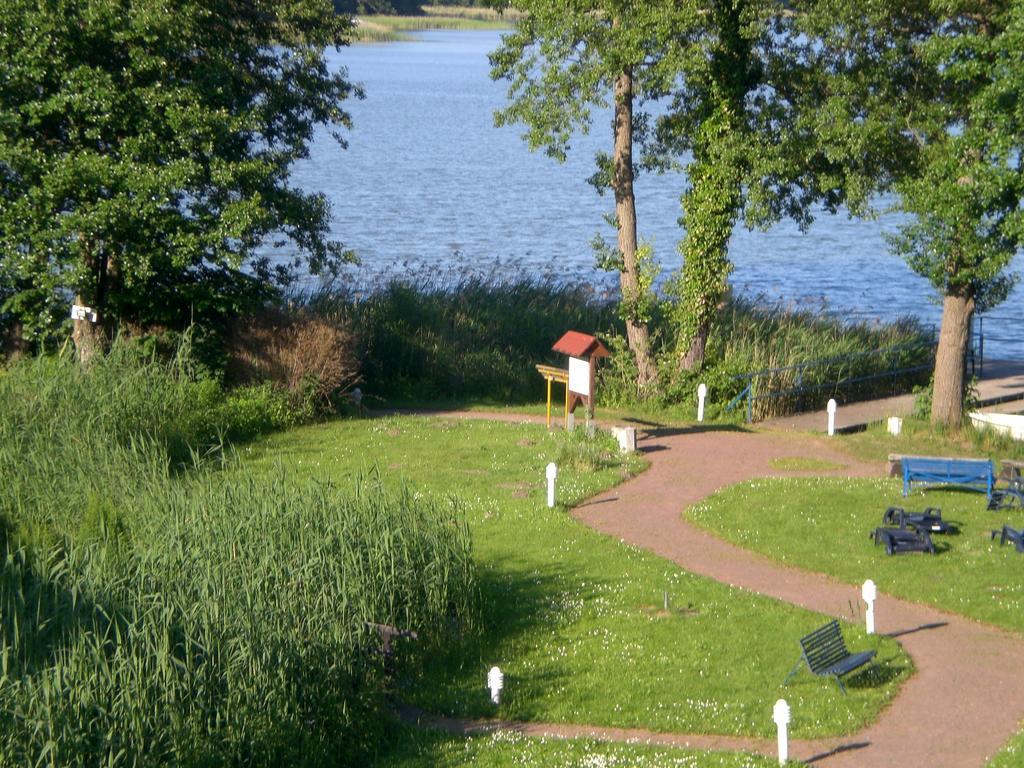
561	375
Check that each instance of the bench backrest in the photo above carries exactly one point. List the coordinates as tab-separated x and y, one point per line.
949	467
824	647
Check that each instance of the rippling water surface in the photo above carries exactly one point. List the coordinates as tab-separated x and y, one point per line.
429	185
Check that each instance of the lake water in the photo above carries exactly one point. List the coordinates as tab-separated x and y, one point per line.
429	188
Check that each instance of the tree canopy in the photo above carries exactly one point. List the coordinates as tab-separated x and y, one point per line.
751	106
144	154
963	178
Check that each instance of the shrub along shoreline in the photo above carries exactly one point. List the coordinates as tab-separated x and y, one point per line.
476	340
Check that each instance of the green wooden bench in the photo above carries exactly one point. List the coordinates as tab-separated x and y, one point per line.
826	654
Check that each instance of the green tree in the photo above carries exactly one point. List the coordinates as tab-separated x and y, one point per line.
144	155
755	106
563	61
759	118
965	185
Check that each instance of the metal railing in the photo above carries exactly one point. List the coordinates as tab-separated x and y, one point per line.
788	382
977	345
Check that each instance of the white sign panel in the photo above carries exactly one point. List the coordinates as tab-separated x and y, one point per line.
579	376
78	312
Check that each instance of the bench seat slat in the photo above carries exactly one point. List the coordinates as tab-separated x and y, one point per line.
850	663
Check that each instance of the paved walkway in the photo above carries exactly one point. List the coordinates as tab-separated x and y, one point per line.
966	698
1001	388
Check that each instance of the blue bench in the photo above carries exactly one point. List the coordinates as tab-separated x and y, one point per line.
975	474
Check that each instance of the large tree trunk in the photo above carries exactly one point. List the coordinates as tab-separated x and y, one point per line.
637	333
89	336
693	357
948	392
709	214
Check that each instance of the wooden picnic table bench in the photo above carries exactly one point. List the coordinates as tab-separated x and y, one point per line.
975	474
826	654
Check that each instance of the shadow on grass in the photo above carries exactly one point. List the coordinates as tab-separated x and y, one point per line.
517	603
882	673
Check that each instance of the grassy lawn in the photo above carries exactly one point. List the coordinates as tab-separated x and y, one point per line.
578	621
823	525
427	749
919	438
1012	755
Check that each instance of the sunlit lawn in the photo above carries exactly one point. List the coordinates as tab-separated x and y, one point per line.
577	620
431	749
823	525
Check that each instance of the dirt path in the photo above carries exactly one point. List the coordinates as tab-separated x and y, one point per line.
966	697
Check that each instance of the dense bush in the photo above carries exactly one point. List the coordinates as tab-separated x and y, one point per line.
311	356
827	356
155	616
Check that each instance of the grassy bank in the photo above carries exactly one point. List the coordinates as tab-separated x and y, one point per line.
578	621
426	749
155	612
386	29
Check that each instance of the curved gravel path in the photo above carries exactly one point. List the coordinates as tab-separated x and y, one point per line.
966	698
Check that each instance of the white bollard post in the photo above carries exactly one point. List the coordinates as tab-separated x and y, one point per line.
831	417
869	592
552	473
495	681
702	392
780	714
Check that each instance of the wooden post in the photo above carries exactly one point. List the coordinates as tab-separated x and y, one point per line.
549	402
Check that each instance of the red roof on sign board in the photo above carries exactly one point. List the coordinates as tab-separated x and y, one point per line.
576	344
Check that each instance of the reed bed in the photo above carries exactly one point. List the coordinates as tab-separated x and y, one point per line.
506	15
155	616
477	337
464	337
802	359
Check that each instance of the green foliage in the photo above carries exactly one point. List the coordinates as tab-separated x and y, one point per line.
637	306
748	338
144	154
967	184
472	339
152	617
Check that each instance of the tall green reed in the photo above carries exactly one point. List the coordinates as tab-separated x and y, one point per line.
150	616
465	337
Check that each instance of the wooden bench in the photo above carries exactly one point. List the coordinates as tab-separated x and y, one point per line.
974	474
827	655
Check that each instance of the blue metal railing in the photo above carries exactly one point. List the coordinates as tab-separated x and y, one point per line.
800	391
